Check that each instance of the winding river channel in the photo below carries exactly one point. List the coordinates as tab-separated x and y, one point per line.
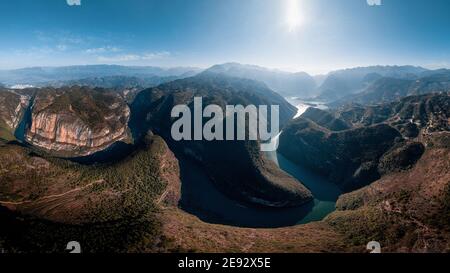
201	198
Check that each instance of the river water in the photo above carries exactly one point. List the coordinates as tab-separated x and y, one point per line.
201	198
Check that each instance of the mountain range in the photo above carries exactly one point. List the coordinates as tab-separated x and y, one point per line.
366	85
389	89
42	75
286	84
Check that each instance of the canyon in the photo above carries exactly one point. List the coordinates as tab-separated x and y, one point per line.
389	159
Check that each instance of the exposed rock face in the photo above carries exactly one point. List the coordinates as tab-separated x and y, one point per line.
77	121
12	109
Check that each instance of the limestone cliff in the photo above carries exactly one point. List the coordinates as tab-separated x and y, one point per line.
77	121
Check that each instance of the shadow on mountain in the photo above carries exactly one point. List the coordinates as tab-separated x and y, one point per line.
114	153
201	198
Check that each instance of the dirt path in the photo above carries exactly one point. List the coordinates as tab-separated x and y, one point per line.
53	195
161	198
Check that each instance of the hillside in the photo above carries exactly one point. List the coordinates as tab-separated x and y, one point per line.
406	211
391	89
105	207
251	178
342	83
131	205
368	142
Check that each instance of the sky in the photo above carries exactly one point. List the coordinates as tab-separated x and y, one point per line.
315	36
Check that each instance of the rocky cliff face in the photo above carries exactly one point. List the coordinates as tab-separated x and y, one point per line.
77	121
12	109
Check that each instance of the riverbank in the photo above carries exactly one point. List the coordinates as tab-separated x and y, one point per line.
201	198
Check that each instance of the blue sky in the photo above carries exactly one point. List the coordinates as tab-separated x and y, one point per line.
297	35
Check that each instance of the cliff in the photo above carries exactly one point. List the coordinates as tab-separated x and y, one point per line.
77	121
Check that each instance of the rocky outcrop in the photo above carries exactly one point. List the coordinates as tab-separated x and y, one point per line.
77	121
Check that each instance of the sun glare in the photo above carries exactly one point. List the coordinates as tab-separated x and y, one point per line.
293	15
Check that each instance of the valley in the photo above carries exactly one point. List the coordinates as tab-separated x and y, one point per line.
90	163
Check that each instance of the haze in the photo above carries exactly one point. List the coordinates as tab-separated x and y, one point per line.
315	36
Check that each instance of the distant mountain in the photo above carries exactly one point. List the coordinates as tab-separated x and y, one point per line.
391	89
286	84
341	83
128	86
114	82
39	75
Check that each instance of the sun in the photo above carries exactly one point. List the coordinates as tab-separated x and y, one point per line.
294	17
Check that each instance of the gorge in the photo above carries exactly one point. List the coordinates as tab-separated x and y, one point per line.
221	188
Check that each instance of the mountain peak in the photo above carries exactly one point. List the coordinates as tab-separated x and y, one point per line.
288	84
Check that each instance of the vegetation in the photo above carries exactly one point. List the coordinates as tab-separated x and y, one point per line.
117	221
250	179
5	132
90	105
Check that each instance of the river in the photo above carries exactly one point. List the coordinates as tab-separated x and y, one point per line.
201	198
